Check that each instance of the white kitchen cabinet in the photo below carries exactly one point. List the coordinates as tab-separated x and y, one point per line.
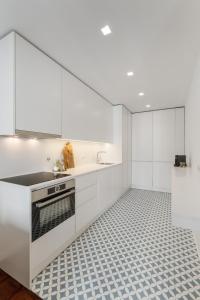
125	177
87	202
129	136
142	175
117	182
38	90
142	136
105	188
124	134
85	115
164	135
32	90
84	195
157	137
95	193
123	141
85	181
162	176
85	214
129	150
180	131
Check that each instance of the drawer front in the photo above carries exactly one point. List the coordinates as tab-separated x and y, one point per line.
86	213
82	182
85	195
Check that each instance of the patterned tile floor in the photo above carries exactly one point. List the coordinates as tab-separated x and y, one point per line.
131	252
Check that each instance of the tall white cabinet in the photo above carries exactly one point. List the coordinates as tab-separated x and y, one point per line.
122	138
142	150
157	137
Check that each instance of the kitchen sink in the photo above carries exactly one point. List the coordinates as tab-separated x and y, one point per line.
106	163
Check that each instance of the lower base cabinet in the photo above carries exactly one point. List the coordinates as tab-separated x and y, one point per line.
162	176
154	176
142	175
86	213
87	205
127	174
96	192
105	188
117	182
110	186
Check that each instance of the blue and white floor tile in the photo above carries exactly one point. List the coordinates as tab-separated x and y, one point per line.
131	252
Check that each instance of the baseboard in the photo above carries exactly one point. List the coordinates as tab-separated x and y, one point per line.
150	189
141	188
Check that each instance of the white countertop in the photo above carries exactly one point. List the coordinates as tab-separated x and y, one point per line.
74	172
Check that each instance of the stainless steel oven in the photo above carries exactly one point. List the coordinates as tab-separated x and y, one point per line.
51	206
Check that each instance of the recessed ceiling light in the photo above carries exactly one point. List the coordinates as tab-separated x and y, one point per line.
148	106
141	94
106	30
130	73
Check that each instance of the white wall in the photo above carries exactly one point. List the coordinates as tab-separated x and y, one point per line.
19	156
186	183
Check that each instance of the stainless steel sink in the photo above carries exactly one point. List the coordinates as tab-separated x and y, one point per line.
106	164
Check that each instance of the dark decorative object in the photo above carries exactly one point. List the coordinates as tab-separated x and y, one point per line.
180	161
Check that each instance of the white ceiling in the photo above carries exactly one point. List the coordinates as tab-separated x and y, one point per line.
159	40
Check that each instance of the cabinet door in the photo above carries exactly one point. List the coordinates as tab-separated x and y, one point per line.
164	135
129	174
85	115
117	182
105	190
142	175
180	131
85	181
162	176
125	179
38	90
129	136
142	136
86	213
124	134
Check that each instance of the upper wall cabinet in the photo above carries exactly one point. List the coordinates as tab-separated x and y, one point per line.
38	90
164	135
142	136
85	115
30	91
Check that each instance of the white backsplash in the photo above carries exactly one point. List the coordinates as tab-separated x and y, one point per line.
20	156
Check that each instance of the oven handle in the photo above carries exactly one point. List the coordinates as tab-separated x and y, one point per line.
40	205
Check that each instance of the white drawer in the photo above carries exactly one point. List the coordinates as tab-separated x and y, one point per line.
85	195
85	181
86	213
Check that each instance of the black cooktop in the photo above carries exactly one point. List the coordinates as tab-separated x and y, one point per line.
35	178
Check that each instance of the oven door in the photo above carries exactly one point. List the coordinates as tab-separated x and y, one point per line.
52	211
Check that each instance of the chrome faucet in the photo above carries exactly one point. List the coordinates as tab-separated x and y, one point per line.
99	156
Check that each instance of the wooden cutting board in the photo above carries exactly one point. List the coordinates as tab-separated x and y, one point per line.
68	156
